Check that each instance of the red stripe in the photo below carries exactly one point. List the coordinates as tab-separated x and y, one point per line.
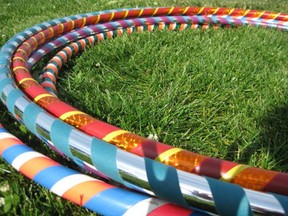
278	184
59	108
213	167
170	210
151	149
35	90
99	129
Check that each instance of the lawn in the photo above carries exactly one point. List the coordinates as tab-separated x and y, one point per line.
221	93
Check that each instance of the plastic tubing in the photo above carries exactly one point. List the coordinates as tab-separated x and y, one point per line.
81	189
246	176
131	170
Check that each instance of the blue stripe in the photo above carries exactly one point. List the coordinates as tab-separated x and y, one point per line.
30	115
49	89
59	134
51	175
114	201
33	30
4	83
12	98
14	151
164	181
42	26
230	199
103	156
5	70
3	130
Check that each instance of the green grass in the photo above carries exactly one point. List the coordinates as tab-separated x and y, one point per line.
221	93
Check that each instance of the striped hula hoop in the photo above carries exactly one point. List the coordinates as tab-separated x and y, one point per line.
120	155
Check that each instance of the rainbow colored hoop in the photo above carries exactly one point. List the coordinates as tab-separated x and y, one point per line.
129	153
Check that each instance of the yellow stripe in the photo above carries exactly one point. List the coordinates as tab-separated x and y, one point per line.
73	24
98	18
42	96
35	40
113	134
231	11
27	44
201	9
141	12
84	21
186	9
246	12
126	14
217	9
18	58
23	51
112	16
170	11
20	67
261	14
167	154
275	15
26	79
51	29
68	114
228	176
62	28
156	10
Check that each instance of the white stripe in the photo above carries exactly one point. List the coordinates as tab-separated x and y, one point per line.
52	65
14	43
23	158
68	182
144	207
57	58
28	32
5	135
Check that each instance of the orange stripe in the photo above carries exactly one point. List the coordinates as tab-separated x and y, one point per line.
35	165
58	61
83	192
8	142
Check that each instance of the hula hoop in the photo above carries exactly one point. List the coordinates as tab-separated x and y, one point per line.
81	189
152	177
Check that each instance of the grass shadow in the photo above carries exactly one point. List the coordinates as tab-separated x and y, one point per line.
269	148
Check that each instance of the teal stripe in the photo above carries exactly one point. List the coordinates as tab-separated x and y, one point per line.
164	181
11	100
283	200
230	199
103	156
5	82
30	115
60	133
